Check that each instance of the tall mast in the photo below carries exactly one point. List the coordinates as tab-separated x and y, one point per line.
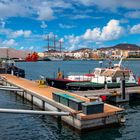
54	43
48	42
60	45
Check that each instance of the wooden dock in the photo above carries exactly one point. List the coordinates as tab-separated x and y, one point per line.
42	96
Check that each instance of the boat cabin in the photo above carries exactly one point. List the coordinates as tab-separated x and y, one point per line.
112	76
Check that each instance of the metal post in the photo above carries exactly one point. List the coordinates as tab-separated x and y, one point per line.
23	97
43	105
123	88
105	83
59	117
32	99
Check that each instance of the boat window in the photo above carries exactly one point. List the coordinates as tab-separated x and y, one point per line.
114	80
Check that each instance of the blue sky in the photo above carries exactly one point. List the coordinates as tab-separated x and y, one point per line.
25	24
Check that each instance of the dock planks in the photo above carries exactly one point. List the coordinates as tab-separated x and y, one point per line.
46	92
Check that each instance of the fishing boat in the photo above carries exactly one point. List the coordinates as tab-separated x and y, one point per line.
61	82
109	77
8	67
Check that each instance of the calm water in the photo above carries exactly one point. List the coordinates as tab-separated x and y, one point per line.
29	127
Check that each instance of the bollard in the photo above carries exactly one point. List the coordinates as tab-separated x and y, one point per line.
123	87
105	84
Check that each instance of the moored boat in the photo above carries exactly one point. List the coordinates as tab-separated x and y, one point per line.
61	82
101	78
8	67
108	77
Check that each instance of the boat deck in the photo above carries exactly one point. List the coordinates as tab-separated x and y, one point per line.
46	92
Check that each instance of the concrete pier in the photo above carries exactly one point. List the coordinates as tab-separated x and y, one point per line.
42	97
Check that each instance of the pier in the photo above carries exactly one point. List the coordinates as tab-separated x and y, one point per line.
43	97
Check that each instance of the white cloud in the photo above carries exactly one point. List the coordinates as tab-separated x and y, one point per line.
45	13
27	33
133	14
51	36
111	31
66	26
2	23
111	4
81	17
21	48
47	9
61	39
43	25
13	8
135	29
31	47
9	43
42	10
19	33
5	31
72	42
96	36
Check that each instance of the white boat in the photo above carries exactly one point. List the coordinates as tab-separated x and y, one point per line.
113	75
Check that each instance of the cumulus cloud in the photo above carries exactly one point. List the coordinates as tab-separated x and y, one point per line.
135	29
43	25
42	10
19	33
72	42
9	43
47	9
45	13
14	8
111	31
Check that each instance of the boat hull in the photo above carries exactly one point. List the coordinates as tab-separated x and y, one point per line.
59	82
16	71
91	85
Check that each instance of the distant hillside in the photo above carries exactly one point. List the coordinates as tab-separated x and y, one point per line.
12	53
82	50
123	47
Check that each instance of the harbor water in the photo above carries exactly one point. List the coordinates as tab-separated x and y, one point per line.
38	127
